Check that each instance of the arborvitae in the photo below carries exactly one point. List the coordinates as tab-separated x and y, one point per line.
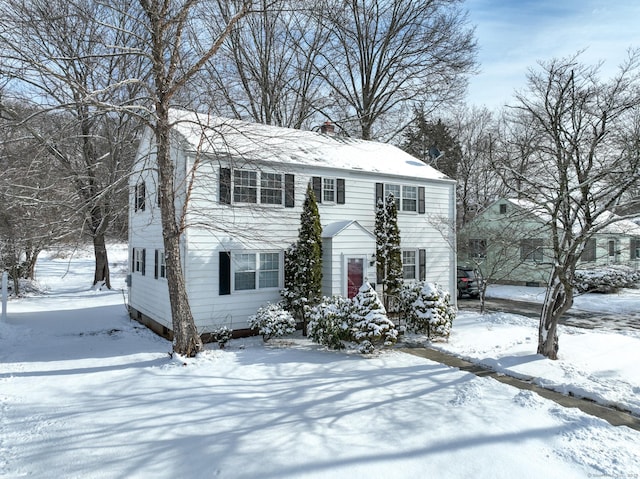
303	264
388	253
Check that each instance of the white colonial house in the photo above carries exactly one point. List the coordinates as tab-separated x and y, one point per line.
240	189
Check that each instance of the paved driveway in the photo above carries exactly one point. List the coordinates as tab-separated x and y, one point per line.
580	319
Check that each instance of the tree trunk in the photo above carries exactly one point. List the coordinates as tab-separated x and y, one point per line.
557	301
102	261
186	340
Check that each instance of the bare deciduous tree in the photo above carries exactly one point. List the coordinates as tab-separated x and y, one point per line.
580	159
392	56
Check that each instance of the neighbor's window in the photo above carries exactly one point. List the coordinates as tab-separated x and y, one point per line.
409	264
503	209
589	251
245	186
271	188
635	248
531	250
256	271
477	248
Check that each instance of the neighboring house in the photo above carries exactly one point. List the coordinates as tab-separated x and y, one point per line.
246	185
510	242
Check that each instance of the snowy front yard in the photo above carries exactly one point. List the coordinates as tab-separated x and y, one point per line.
85	392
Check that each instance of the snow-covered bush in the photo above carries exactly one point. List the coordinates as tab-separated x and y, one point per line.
606	279
329	322
427	309
272	321
369	321
221	335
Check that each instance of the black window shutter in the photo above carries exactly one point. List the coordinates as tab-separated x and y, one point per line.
225	185
316	185
133	260
289	190
224	278
156	266
340	193
144	260
422	264
379	192
633	242
421	205
135	199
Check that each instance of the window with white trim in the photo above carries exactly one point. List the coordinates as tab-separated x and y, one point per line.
409	198
245	186
161	265
271	188
138	260
409	264
477	248
405	196
394	190
255	271
328	190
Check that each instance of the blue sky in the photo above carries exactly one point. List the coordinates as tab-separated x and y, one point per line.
513	35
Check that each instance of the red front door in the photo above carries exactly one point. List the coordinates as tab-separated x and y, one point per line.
355	276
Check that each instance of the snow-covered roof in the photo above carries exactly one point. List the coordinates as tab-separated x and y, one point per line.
250	142
334	229
617	225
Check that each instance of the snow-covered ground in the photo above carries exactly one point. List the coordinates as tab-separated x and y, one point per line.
87	393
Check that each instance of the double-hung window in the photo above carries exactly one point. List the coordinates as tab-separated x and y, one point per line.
256	271
139	260
477	248
245	186
531	250
409	264
270	188
394	190
409	198
328	190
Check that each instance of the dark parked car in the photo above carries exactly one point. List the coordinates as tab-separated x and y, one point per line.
467	283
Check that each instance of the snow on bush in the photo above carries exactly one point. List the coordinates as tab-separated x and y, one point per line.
329	322
272	321
370	325
427	309
222	335
606	279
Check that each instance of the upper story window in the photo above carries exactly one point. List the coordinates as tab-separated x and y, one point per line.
271	188
139	197
408	198
531	250
257	187
328	190
503	209
245	186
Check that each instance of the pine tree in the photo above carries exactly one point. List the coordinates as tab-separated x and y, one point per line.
303	262
388	253
370	324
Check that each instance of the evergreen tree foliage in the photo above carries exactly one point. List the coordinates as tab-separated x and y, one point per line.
329	322
303	262
434	144
427	309
369	322
388	253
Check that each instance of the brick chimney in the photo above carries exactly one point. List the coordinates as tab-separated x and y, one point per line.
327	128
